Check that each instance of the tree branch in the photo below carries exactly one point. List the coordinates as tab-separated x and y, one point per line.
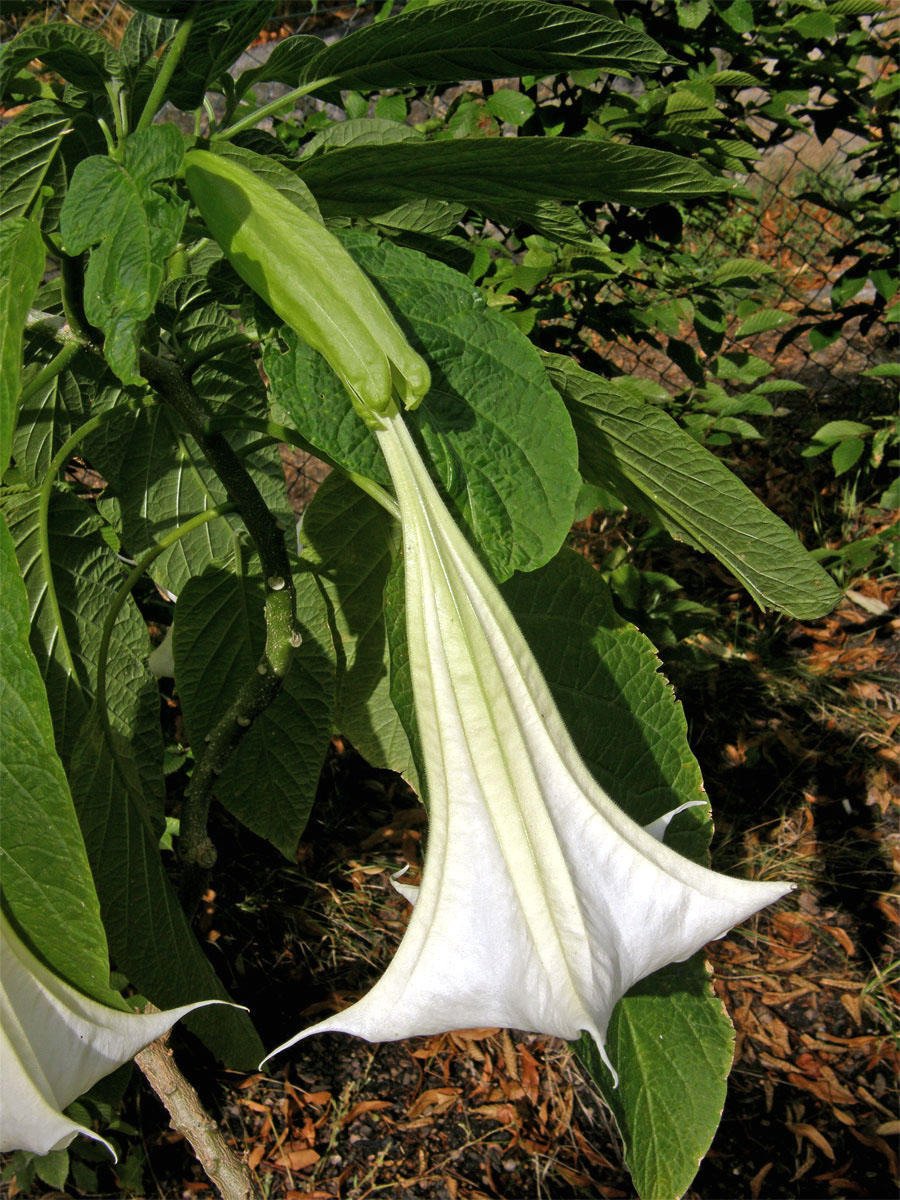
227	1171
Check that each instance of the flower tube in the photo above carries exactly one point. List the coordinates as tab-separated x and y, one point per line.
541	902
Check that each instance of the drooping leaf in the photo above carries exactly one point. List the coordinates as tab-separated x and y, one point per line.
21	266
218	36
500	174
49	416
509	476
29	147
639	453
673	1044
149	936
117	208
86	574
270	780
348	540
463	39
82	56
47	886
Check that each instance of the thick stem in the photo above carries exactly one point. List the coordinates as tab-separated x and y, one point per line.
230	1175
166	71
282	636
50	370
274	106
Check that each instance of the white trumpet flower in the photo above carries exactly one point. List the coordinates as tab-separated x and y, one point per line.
541	902
55	1044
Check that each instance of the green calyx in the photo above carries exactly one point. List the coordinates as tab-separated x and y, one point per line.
307	277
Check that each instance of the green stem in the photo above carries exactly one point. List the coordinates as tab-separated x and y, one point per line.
158	92
143	564
282	635
268	110
58	461
50	370
281	433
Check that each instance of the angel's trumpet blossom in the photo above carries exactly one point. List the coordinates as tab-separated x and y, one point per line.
541	902
55	1044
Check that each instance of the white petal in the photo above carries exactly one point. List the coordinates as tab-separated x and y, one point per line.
55	1043
541	902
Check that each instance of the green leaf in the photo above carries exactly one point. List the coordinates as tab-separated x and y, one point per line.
888	370
495	433
642	455
21	267
348	540
143	36
741	272
270	780
82	56
391	108
846	454
149	936
360	131
763	321
508	174
502	39
511	107
47	885
156	479
218	36
29	148
835	431
86	575
815	25
53	1168
51	414
115	207
631	732
672	1043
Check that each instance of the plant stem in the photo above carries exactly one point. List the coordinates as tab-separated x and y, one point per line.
274	106
282	636
166	71
143	564
50	370
230	1175
281	433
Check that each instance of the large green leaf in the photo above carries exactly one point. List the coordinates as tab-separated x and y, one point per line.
462	39
51	414
270	780
117	208
505	175
149	936
21	266
86	575
82	56
47	885
29	148
349	541
157	479
639	453
496	436
672	1043
220	32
